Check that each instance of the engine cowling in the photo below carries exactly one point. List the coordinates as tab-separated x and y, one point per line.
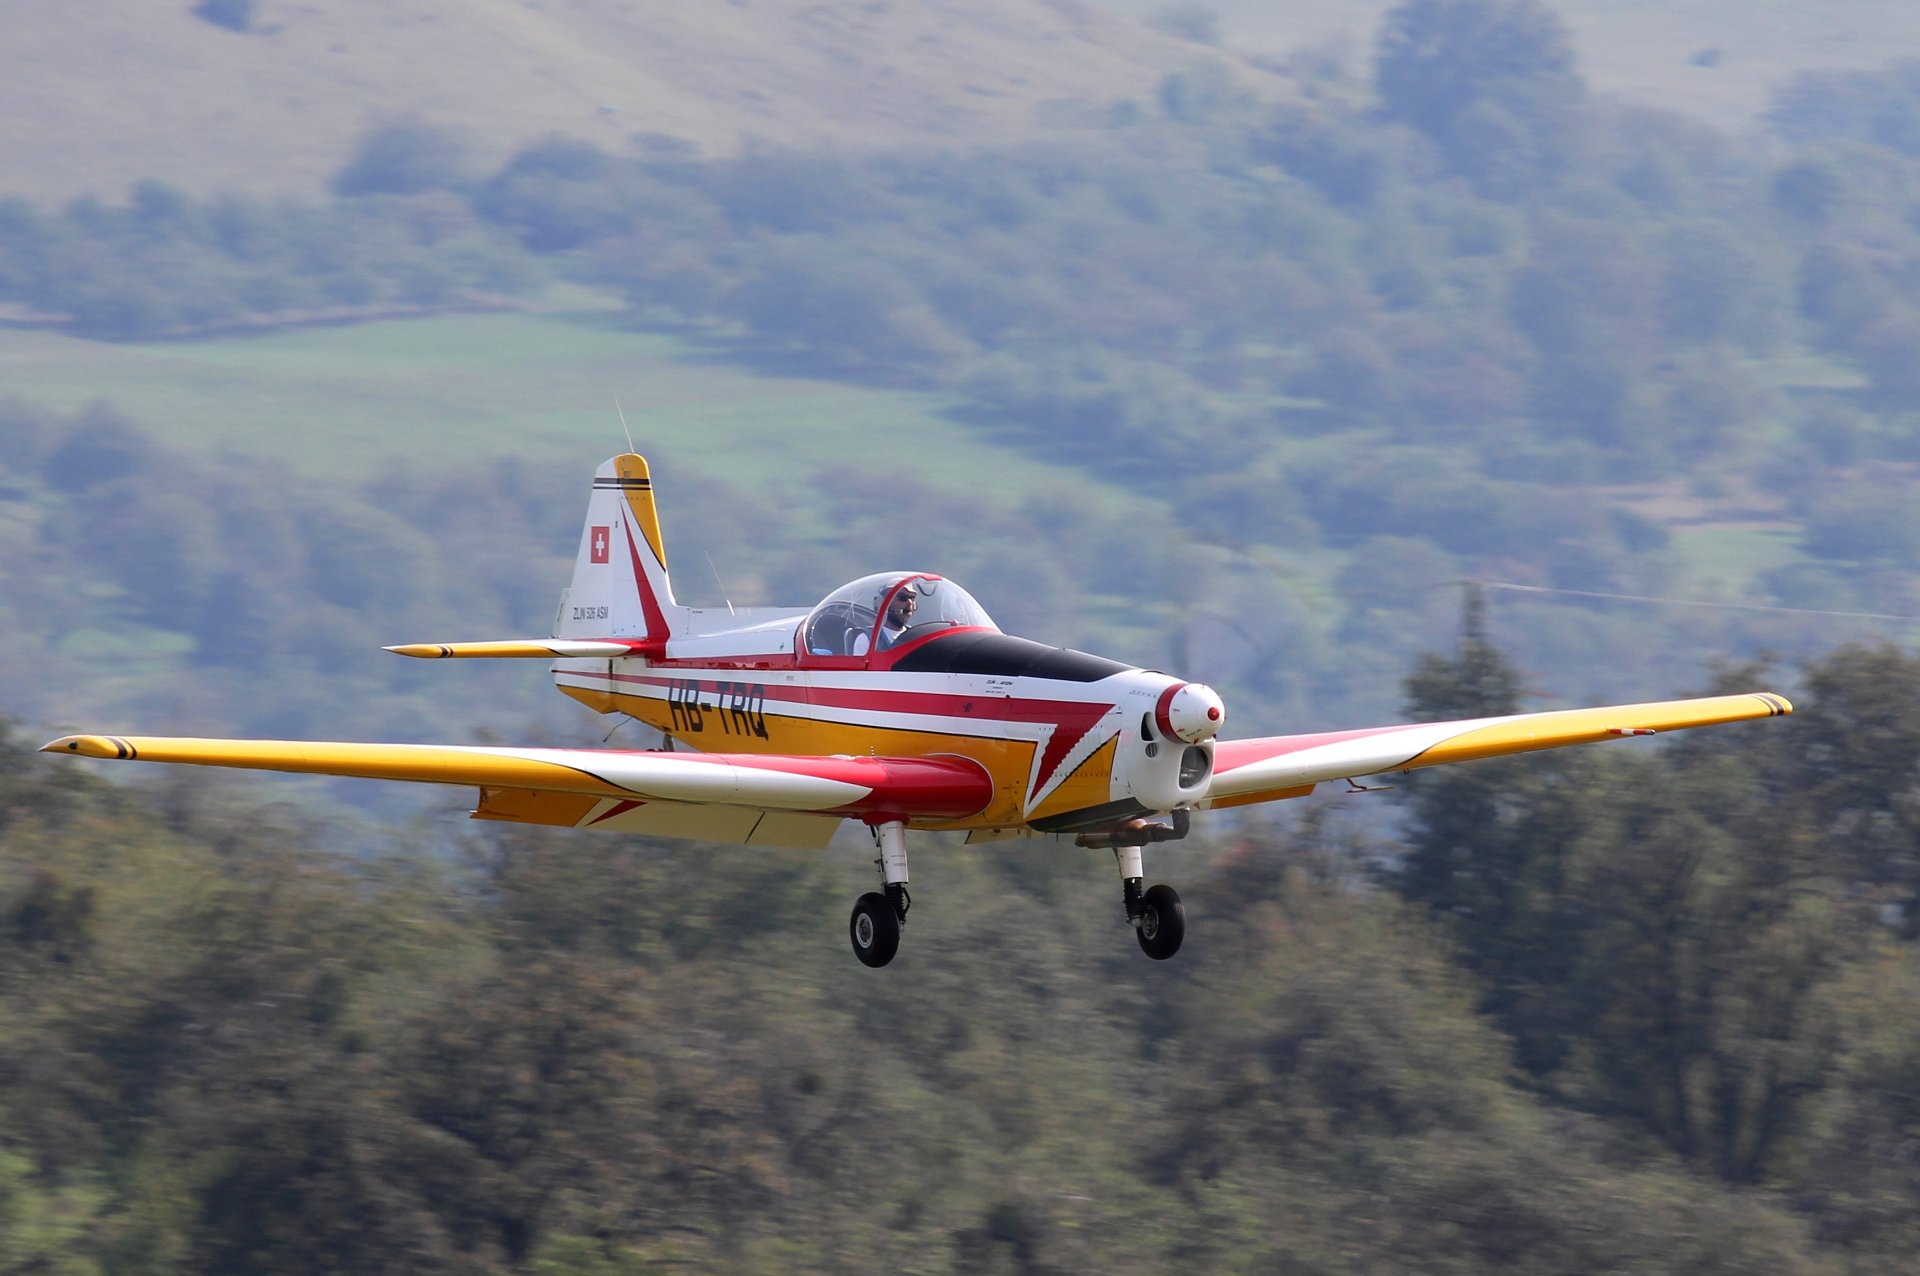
1169	755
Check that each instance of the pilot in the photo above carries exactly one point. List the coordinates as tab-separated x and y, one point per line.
898	620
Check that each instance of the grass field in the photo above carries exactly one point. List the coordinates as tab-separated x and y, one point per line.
352	400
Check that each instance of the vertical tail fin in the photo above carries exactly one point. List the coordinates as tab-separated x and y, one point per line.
620	586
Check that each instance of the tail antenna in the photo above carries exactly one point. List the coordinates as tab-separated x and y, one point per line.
721	583
623	424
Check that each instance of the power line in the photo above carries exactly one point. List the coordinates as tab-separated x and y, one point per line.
1684	602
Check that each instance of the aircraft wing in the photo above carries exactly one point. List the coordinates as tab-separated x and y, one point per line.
1275	767
756	799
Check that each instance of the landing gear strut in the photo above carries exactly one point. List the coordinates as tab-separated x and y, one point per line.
1158	920
877	918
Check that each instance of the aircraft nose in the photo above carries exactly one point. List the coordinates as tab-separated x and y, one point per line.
1190	711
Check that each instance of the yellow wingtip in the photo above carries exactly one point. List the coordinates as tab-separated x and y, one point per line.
420	650
89	746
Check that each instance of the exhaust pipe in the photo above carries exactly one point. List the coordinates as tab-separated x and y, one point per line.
1137	833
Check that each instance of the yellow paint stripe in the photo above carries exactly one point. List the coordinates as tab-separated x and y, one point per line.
645	514
1582	726
1265	795
422	763
1089	785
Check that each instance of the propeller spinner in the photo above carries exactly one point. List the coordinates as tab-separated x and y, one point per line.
1190	712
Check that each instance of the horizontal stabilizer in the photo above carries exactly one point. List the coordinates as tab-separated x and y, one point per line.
522	649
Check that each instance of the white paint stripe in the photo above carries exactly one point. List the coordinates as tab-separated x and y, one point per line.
665	777
1368	755
984	726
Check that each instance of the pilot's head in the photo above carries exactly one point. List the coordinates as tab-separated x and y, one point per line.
900	610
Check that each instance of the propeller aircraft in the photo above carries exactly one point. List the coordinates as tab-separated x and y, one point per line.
895	702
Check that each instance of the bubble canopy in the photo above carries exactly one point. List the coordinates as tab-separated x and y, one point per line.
887	609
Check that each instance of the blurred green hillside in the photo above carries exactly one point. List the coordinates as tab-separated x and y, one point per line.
1707	59
1302	366
267	97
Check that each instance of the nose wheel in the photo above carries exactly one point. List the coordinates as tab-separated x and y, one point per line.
1162	923
1159	921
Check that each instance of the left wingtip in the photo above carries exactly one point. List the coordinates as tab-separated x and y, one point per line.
90	746
1780	704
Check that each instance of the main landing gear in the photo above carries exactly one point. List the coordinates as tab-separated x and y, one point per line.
1154	912
877	918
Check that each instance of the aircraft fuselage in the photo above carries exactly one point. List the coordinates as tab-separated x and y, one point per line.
1070	740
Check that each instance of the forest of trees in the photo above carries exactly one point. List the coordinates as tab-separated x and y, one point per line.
1640	1008
1645	1008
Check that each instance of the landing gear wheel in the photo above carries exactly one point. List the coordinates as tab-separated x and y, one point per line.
875	929
1163	923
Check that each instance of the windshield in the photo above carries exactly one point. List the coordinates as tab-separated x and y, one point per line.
885	610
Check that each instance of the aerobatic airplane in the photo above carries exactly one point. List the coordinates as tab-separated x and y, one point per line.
895	701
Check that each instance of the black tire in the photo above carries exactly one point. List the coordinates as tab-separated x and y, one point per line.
875	923
1163	923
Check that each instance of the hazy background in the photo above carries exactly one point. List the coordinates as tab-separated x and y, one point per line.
1362	359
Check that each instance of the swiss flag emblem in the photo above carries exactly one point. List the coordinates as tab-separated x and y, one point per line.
597	544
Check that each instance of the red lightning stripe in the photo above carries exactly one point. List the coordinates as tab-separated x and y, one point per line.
657	631
1071	719
618	808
